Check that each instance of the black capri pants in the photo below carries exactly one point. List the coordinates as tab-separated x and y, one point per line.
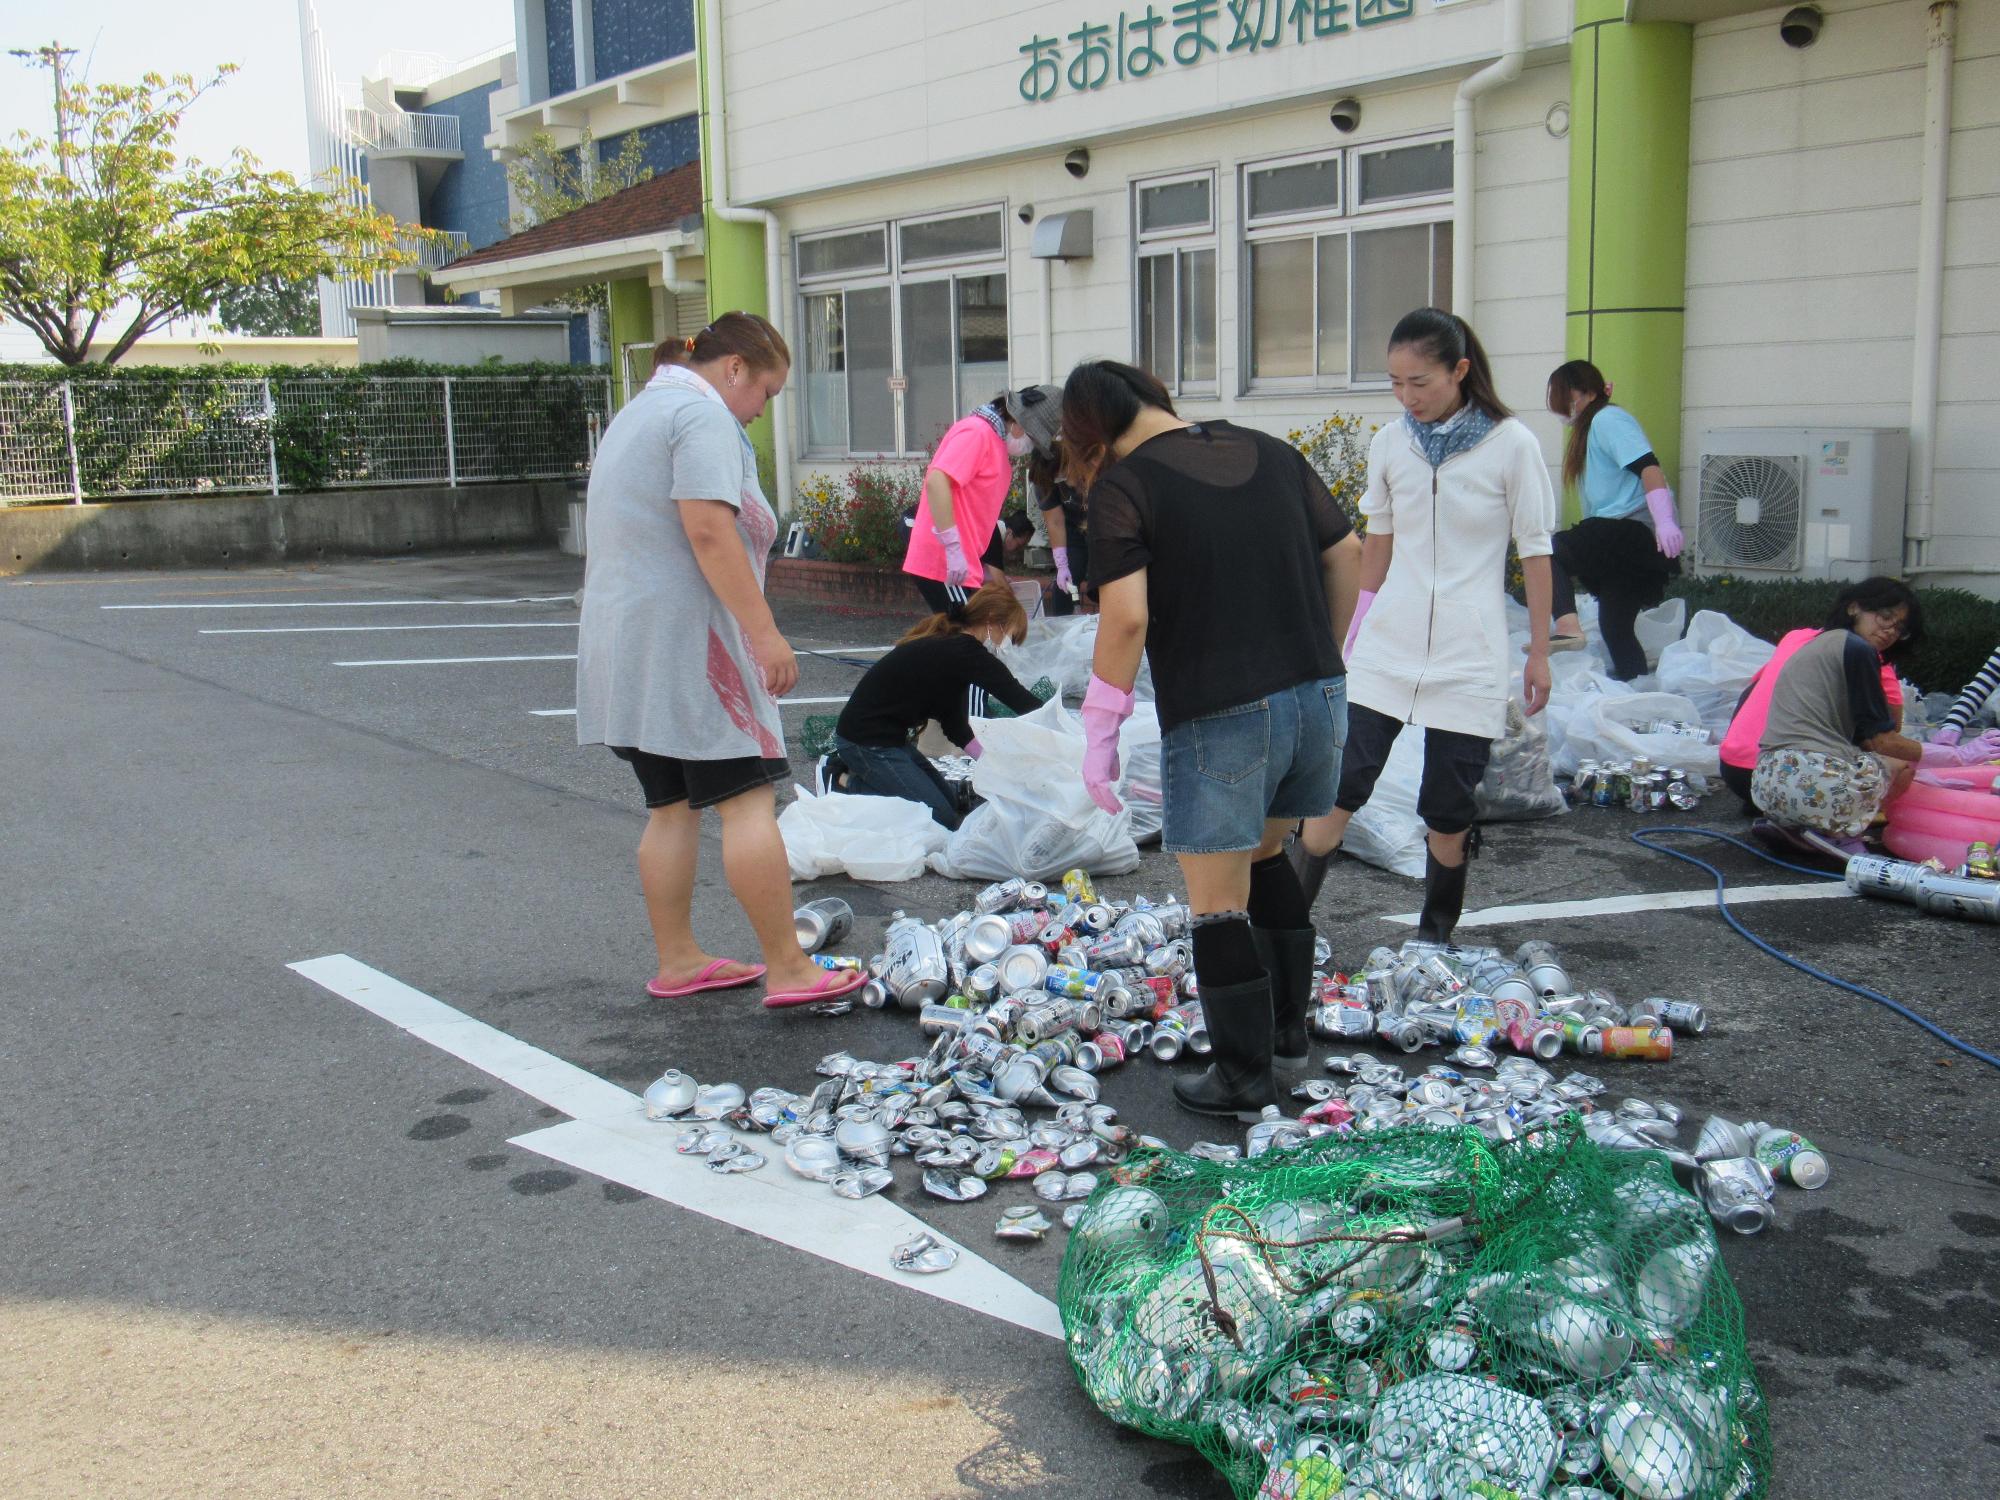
1453	766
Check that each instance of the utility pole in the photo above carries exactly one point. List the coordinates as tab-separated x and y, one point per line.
52	57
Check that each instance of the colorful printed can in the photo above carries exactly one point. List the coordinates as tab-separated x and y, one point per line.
1535	1037
983	983
1792	1158
1076	885
1650	1044
1114	951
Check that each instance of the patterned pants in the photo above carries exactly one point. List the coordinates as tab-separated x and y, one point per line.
1837	794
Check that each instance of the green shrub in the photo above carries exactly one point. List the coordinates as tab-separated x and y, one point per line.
1961	629
858	516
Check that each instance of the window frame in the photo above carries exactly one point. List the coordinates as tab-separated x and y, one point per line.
1350	219
895	276
1176	243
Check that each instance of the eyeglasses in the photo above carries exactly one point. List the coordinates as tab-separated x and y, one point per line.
1901	627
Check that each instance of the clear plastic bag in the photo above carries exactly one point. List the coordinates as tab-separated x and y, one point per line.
1520	781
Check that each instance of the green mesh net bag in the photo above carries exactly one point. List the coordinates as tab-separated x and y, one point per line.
1420	1313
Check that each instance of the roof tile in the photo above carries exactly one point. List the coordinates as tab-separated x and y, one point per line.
650	207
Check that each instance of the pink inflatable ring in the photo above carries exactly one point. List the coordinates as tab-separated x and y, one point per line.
1934	822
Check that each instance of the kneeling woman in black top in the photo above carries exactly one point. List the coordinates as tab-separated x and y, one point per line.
1218	552
944	669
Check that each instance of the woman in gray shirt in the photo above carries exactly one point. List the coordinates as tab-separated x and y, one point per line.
680	664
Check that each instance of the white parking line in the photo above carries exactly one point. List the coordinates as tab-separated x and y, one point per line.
352	629
610	1137
1548	911
355	603
553	713
448	661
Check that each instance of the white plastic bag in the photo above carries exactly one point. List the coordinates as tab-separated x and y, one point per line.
1614	729
1659	627
1387	832
1711	665
869	838
1060	648
1519	782
1037	820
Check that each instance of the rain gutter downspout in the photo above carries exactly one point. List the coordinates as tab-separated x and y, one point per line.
718	159
1939	57
1464	148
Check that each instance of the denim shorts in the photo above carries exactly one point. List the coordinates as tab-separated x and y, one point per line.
1229	771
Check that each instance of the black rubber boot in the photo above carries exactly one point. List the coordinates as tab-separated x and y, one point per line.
1444	898
1238	1081
1310	868
1287	956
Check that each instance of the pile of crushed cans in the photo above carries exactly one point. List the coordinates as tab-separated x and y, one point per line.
1636	784
1034	993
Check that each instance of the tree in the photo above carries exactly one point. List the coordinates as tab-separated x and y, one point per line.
550	180
270	308
105	225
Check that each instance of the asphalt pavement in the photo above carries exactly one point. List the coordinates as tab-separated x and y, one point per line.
262	1241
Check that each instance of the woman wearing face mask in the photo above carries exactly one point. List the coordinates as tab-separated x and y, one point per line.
679	663
1448	487
945	670
967	483
1830	754
1628	543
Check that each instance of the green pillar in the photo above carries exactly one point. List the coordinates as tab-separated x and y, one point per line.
734	257
1628	204
631	318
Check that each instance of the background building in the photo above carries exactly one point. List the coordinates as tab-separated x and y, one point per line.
1749	222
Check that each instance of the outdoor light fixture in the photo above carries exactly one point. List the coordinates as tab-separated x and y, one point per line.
1025	213
1345	116
1800	27
1077	163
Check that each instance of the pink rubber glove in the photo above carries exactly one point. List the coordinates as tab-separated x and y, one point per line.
1666	529
1949	735
954	555
1063	580
1972	752
972	748
1361	604
1105	710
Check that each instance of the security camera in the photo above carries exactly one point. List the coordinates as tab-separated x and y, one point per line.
1077	163
1800	27
1025	213
1345	116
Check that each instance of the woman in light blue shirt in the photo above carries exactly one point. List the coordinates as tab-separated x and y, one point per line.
1628	543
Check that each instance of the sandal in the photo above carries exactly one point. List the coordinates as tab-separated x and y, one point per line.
710	978
835	985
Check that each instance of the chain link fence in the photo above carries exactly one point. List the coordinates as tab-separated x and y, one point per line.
115	439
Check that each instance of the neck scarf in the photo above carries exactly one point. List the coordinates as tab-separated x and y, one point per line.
994	418
682	376
1458	433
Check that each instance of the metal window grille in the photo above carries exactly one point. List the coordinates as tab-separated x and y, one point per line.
114	439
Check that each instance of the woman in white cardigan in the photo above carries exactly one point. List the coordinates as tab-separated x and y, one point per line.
1448	486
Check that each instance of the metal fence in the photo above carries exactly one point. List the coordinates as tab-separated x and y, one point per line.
113	438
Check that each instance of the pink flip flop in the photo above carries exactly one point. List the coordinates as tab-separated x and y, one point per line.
710	978
836	984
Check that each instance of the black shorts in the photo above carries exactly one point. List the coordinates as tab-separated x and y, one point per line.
1453	766
667	779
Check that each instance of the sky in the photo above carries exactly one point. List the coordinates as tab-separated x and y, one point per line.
261	108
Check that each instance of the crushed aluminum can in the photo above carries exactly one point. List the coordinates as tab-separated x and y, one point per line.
1033	1163
742	1161
814	1156
953	1187
692	1140
1470	1056
716	1101
1022	968
671	1094
861	1182
1737	1193
1052	1186
1021	1222
924	1255
987	938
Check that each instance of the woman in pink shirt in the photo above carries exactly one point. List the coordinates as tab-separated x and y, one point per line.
967	483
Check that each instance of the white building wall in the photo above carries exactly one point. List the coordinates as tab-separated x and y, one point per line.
785	68
1802	240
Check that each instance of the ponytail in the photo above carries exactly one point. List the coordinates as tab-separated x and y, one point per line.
1578	377
1445	338
745	335
993	603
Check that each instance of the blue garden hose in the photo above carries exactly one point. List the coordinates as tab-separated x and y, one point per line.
1641	838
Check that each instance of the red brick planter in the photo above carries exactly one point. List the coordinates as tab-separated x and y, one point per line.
877	586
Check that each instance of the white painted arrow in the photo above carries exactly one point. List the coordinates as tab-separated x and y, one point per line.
608	1135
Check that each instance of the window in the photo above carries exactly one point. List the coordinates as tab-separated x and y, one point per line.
1327	275
895	354
1174	281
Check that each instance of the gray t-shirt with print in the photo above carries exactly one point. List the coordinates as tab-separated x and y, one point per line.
661	666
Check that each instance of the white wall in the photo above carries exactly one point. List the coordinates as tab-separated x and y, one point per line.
1802	239
1520	270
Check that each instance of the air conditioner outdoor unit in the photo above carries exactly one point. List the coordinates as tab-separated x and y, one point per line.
1803	502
